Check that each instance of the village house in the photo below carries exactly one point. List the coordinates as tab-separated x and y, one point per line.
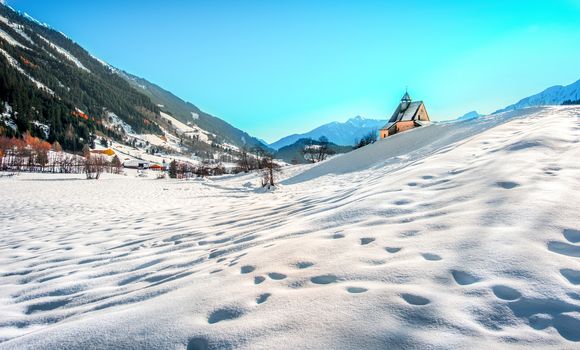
408	115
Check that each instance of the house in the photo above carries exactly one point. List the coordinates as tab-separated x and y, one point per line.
408	115
136	164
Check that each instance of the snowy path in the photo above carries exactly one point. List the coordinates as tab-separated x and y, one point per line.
470	242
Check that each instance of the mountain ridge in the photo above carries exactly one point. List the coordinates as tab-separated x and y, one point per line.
339	133
554	95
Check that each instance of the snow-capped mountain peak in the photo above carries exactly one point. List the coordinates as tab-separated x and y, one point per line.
343	134
555	95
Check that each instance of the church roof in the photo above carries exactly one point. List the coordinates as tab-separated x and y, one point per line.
407	115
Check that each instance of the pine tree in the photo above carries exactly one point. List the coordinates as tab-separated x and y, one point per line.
173	169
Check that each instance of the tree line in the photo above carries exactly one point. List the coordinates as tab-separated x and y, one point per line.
32	154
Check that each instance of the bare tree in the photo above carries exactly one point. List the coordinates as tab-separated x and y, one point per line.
317	151
324	148
95	164
369	138
243	161
269	171
116	165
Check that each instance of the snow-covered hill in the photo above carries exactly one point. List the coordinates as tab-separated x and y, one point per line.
556	95
343	134
461	235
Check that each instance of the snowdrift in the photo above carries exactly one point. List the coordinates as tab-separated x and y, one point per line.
469	241
411	145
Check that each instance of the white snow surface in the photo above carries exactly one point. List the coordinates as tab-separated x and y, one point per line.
468	238
19	29
10	40
65	53
186	129
555	95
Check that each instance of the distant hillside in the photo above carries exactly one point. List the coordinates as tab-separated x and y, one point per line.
556	95
344	134
54	89
294	153
187	112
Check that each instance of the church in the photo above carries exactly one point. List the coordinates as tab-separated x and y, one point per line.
408	115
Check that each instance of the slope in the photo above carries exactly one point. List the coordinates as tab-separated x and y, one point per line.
48	79
187	112
471	243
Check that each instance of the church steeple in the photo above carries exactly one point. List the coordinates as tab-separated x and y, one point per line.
405	101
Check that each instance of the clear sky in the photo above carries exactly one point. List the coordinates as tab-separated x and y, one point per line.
278	67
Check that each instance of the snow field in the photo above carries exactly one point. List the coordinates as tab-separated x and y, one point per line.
471	240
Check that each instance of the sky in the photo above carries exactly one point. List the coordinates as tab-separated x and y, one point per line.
274	68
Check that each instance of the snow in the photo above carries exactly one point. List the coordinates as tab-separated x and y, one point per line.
116	122
186	129
10	40
555	95
19	29
65	53
29	17
468	241
45	128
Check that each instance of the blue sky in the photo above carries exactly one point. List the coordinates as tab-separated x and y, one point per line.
278	67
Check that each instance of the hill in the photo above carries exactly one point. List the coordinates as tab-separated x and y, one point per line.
54	89
464	237
186	112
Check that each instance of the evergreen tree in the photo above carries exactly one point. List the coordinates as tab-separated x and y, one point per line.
173	169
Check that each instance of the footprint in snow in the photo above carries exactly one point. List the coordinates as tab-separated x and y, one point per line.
356	290
393	250
247	269
416	300
507	185
366	240
262	298
506	293
303	264
259	279
573	276
197	344
224	314
277	276
573	236
431	257
463	278
324	279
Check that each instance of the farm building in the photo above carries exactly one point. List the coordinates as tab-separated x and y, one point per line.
136	164
408	115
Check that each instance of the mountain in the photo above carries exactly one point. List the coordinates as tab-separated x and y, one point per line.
344	134
54	89
294	153
186	112
556	95
470	115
